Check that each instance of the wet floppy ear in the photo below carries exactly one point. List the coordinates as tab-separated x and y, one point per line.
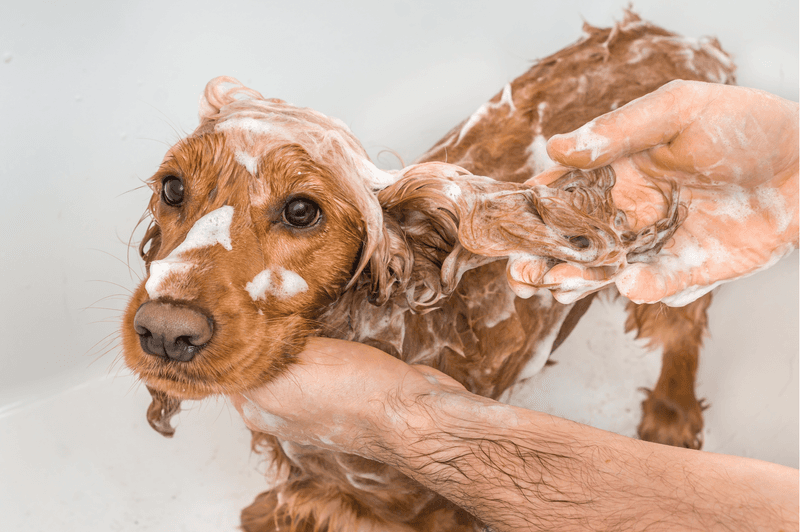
420	254
565	221
150	245
573	219
440	221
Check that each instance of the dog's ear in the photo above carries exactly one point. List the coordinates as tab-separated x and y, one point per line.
150	244
420	253
573	219
441	221
419	234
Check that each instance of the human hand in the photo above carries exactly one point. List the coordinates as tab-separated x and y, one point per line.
340	396
734	153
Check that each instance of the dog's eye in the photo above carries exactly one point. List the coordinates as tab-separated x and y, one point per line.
172	190
301	212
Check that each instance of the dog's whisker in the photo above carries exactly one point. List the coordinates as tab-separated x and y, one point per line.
111	283
97	352
134	189
127	265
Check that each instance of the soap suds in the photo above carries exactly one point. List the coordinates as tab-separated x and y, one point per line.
775	203
575	288
452	191
261	417
538	160
265	282
261	283
505	100
250	162
159	270
692	293
292	284
248	125
587	139
213	228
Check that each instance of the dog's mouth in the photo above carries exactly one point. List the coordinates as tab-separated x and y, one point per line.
168	386
178	386
182	351
212	372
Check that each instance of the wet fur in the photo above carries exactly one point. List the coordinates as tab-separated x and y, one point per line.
400	279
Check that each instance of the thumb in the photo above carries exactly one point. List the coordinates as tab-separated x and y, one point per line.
649	121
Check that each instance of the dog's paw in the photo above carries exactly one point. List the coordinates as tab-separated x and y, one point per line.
666	421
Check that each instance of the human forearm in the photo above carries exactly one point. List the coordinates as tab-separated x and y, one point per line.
513	468
522	470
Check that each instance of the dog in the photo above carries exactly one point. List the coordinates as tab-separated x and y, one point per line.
270	224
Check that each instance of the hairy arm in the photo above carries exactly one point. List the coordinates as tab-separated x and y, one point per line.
514	469
522	470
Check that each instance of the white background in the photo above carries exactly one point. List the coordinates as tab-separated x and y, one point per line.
93	92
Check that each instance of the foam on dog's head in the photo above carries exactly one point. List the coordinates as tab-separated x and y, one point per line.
254	125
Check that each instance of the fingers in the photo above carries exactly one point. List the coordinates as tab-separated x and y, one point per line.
644	123
548	176
641	283
255	417
524	274
528	274
571	282
651	283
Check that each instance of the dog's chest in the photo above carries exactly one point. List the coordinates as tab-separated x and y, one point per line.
482	335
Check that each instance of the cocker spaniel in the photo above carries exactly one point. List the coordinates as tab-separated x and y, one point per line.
270	224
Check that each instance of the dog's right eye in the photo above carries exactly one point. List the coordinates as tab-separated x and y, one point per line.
172	191
301	212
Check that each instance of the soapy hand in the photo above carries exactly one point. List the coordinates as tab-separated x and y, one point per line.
339	396
734	153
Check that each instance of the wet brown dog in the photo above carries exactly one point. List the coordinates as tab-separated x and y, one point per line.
270	225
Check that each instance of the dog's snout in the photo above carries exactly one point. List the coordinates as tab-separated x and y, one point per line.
172	331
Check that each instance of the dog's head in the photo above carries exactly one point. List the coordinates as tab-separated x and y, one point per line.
268	213
259	219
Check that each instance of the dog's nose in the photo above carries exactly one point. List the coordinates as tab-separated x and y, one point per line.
172	331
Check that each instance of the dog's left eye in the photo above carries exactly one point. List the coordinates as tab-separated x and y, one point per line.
301	212
172	190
